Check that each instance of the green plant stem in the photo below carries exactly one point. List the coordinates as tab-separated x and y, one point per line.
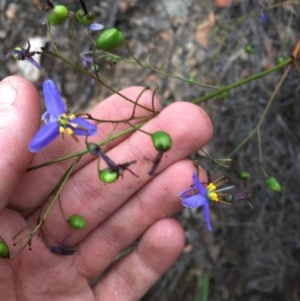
97	78
85	151
55	197
243	81
262	118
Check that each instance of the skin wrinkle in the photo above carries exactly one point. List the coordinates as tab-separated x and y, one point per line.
145	209
107	237
156	274
124	280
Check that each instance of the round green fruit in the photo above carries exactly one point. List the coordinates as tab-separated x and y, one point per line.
273	184
58	15
245	175
109	39
85	19
77	222
4	250
107	176
161	140
249	49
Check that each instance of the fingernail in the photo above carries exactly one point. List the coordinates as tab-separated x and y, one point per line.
8	96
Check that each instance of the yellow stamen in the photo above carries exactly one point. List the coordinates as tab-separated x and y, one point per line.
70	131
213	196
211	187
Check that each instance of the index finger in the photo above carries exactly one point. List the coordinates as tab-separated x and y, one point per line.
27	196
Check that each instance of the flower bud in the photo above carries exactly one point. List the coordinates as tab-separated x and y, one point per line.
107	176
161	140
245	175
4	250
109	39
77	222
83	18
58	15
92	148
273	184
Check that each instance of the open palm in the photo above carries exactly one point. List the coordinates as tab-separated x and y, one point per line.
117	214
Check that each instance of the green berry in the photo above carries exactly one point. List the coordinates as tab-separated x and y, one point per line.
245	175
161	140
85	19
249	49
273	184
4	250
77	222
58	15
109	39
107	176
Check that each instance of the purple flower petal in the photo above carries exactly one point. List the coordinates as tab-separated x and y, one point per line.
53	101
85	127
47	118
15	53
196	197
96	26
86	60
263	18
207	216
34	63
199	185
44	136
187	193
194	201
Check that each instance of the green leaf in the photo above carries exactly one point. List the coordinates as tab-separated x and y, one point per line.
204	287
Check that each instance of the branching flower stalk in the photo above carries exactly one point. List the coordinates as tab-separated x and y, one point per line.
54	199
263	116
242	82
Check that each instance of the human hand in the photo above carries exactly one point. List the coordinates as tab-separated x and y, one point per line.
117	214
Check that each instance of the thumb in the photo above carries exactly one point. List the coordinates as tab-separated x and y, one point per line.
19	120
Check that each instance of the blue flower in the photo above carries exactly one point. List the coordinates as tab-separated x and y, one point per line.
57	121
196	197
263	18
22	54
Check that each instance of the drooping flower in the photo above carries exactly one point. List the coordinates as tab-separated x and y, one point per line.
22	54
113	168
58	121
195	197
